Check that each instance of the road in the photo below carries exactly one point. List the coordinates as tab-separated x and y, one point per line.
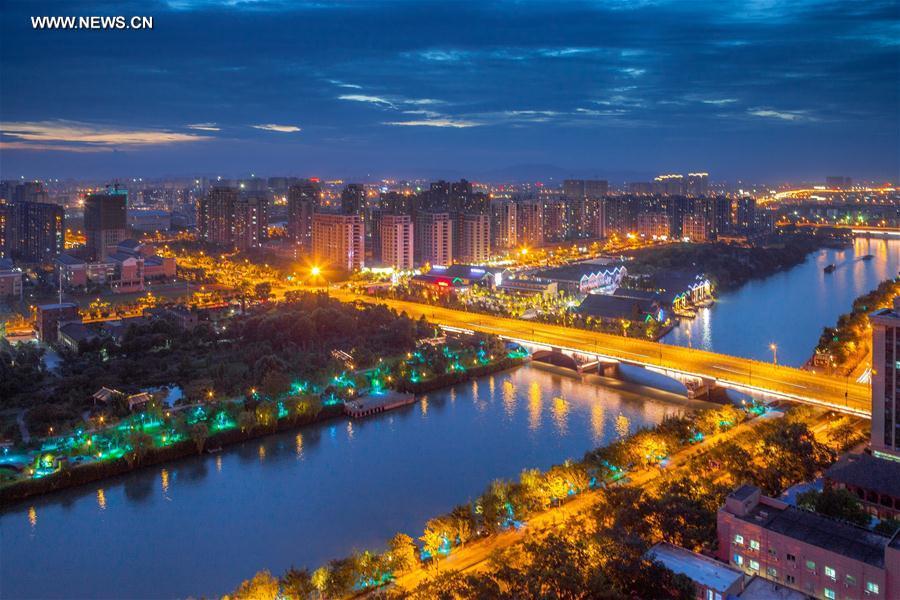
839	393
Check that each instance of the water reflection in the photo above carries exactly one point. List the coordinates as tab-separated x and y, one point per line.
535	405
411	463
791	307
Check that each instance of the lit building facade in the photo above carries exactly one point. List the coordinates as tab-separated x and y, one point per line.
433	238
474	242
886	381
339	240
396	240
105	221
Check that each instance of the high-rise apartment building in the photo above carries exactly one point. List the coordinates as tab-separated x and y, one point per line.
474	241
697	185
339	240
744	213
230	220
32	231
396	241
503	224
530	223
353	199
105	221
433	238
886	381
303	199
668	185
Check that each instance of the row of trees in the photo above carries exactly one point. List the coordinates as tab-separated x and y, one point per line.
506	504
841	347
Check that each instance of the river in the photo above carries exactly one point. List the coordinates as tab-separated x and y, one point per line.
790	308
201	525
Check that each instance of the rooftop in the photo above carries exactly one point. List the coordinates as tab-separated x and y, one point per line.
701	569
868	472
821	531
77	332
616	307
68	259
575	271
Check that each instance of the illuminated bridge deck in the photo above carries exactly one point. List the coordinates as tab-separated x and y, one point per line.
838	393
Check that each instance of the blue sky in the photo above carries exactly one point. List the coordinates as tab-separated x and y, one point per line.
759	89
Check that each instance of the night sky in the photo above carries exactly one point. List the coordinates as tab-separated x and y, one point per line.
761	89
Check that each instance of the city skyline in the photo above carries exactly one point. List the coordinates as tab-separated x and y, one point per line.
612	90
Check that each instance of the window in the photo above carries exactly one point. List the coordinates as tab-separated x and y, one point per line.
789	579
738	559
829	593
754	565
851	580
754	544
790	557
830	573
772	572
739	539
811	565
871	588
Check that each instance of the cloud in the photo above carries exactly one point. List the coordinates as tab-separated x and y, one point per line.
90	134
204	127
435	122
783	115
279	128
368	99
343	84
719	101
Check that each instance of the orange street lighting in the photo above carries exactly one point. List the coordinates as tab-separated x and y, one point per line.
774	348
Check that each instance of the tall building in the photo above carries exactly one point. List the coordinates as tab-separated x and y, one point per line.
5	210
396	241
557	214
32	231
303	199
585	188
886	382
530	223
503	225
669	185
433	238
474	241
353	199
250	221
839	182
697	185
30	191
105	221
744	218
339	240
229	220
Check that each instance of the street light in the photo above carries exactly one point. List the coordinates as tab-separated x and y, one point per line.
774	348
315	271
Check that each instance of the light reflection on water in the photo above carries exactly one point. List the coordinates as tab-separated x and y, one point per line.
307	496
790	308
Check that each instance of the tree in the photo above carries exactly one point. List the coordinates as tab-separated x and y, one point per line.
199	434
140	443
402	553
246	420
320	579
263	586
296	584
263	290
837	503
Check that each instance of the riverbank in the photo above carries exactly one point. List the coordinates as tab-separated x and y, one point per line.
730	267
67	477
844	348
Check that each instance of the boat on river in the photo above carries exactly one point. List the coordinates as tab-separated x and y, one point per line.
830	268
868	257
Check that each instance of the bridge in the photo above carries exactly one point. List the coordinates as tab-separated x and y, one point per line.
837	393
